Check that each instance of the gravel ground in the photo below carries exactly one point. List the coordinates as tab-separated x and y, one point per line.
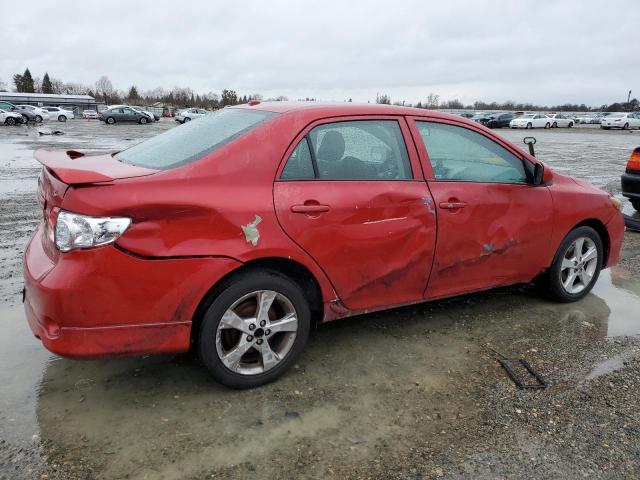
412	393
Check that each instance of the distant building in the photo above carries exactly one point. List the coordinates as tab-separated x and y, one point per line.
77	103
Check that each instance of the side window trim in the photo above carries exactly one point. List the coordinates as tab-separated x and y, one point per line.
312	152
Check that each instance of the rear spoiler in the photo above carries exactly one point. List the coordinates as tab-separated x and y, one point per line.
75	168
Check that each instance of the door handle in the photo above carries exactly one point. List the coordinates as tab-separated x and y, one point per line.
452	205
312	208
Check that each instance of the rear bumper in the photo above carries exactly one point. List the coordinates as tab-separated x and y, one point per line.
105	302
631	185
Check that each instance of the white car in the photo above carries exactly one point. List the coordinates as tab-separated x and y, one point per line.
560	120
41	113
57	113
623	120
89	114
10	118
189	114
531	120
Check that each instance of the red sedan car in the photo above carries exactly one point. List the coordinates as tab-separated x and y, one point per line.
232	234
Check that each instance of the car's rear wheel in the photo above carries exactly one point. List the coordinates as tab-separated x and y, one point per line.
576	265
626	126
555	125
10	121
636	204
38	118
62	118
254	330
143	120
529	125
546	125
110	120
570	124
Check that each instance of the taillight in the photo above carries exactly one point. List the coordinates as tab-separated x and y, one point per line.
634	160
50	223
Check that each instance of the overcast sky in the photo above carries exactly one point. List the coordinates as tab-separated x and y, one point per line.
545	52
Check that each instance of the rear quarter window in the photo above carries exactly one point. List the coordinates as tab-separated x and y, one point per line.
193	140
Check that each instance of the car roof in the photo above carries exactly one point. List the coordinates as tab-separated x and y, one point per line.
345	108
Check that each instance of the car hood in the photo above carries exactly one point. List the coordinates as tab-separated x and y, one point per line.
75	168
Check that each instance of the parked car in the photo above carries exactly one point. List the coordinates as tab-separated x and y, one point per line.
560	120
27	115
531	120
190	114
89	114
60	114
10	118
498	120
233	234
150	114
40	113
123	114
466	114
631	179
623	120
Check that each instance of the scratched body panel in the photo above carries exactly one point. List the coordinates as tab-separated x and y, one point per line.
376	242
496	239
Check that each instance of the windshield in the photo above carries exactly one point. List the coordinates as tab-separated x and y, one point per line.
529	115
194	139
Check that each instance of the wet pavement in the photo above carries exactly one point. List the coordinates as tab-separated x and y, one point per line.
412	393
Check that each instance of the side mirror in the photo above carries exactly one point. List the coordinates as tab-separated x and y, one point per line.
538	174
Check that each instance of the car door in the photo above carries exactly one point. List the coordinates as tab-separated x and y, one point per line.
493	224
130	115
351	194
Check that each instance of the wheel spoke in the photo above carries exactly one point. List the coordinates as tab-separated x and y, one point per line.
287	324
585	278
578	248
231	320
567	263
269	358
590	254
232	359
265	300
568	283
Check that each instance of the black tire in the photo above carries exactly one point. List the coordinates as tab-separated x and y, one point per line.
143	120
636	204
555	125
529	125
547	125
605	128
553	284
62	118
10	121
626	126
186	119
110	120
38	118
570	124
230	293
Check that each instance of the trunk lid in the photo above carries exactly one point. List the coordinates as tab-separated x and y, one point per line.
76	168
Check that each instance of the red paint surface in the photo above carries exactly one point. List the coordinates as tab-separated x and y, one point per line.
378	244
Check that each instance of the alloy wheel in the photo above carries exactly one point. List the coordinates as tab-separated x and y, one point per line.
256	332
579	265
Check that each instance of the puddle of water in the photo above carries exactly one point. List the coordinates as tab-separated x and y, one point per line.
23	361
621	293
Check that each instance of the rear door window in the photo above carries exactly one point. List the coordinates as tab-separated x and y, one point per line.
460	154
193	140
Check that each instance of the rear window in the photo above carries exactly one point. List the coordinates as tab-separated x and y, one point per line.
193	140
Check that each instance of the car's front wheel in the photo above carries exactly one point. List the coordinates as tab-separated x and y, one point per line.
10	121
254	330
186	119
110	120
529	125
576	265
38	118
570	124
62	118
555	125
626	126
546	125
143	120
